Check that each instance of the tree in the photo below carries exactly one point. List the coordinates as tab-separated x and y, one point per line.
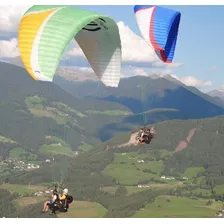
122	190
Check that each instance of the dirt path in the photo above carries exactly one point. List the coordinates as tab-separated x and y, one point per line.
132	141
184	143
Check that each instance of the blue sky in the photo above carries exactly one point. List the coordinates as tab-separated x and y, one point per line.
199	45
200	41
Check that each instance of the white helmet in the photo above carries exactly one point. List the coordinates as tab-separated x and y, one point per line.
65	191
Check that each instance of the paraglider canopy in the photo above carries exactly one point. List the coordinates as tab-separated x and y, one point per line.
159	27
46	31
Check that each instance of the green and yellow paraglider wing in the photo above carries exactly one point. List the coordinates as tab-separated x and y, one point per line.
46	31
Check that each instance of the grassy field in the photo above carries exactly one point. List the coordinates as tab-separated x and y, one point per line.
22	190
126	174
169	206
26	201
219	189
55	139
192	172
22	154
65	108
7	140
128	170
109	112
199	180
59	112
204	192
58	116
133	189
84	209
85	147
16	152
56	148
157	110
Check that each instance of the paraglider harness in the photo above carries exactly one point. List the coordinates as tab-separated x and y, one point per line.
60	205
146	137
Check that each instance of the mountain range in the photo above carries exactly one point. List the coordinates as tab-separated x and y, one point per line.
31	111
217	93
138	100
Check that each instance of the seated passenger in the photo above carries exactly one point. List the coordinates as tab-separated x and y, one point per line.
51	202
140	133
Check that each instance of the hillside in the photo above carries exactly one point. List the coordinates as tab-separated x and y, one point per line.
40	120
192	142
184	164
26	104
148	99
151	99
144	93
135	121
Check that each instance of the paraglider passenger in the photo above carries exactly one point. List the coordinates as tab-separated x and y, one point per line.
140	133
64	195
49	203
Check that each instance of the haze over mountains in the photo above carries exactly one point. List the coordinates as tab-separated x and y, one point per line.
217	93
85	74
146	99
158	92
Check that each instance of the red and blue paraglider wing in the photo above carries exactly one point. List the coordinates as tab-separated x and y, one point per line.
159	27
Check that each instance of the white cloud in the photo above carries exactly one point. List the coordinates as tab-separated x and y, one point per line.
138	58
86	69
186	80
9	48
10	17
162	72
129	71
160	64
140	72
9	22
192	81
135	50
221	88
74	50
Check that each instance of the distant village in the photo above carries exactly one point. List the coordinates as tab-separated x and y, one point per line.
162	177
21	165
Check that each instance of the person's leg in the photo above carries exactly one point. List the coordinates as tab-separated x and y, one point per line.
45	206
